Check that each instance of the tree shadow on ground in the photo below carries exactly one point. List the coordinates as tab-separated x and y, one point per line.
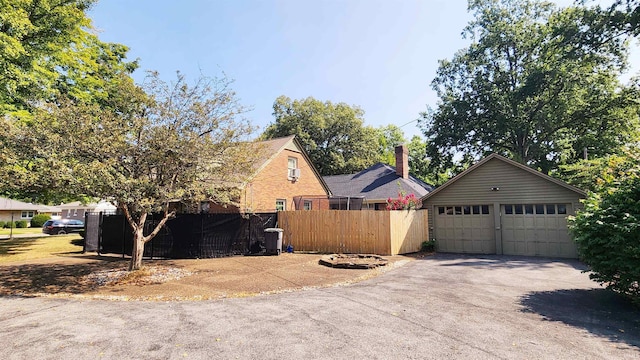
34	279
601	312
501	261
15	245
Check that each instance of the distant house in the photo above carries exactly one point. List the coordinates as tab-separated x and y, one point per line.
77	210
371	187
284	179
13	210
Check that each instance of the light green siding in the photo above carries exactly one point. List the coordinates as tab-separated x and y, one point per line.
515	186
498	182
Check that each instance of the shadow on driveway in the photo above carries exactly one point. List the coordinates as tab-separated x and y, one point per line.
601	312
501	261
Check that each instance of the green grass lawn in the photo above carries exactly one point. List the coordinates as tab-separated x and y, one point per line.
16	231
37	248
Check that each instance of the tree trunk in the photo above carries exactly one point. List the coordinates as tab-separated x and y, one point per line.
138	249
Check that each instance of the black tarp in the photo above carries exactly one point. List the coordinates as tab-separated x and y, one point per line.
188	235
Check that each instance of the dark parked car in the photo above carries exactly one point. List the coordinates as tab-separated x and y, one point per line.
64	226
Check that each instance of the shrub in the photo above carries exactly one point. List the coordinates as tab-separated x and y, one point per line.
403	202
607	233
9	225
39	220
22	224
428	246
2	223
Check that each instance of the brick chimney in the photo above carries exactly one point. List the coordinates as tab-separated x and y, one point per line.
402	161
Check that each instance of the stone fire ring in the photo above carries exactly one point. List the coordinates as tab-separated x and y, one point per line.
353	261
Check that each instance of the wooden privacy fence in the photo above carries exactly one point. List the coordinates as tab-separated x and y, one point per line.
353	232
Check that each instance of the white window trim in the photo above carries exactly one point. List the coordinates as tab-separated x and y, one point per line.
284	204
290	170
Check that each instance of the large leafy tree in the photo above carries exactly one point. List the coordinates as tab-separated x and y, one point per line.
389	137
333	135
48	51
601	174
145	150
527	88
620	18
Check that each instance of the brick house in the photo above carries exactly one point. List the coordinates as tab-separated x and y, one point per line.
284	179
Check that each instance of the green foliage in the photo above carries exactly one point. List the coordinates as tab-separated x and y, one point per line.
39	219
528	89
601	174
9	225
2	224
428	246
176	141
389	137
607	232
333	135
621	18
21	224
47	51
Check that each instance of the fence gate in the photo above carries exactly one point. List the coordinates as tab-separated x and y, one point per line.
92	231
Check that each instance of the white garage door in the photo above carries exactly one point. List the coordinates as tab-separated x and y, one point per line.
536	230
465	229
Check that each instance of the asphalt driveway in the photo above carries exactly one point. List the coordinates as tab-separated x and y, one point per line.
438	307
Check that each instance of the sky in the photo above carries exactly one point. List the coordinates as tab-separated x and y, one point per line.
379	55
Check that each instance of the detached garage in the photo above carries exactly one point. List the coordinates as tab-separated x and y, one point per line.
499	206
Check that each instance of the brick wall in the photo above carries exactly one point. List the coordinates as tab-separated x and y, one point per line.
272	183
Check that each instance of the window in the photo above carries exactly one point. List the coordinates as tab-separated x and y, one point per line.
518	209
528	209
464	210
539	209
292	165
562	209
27	214
551	209
281	205
307	205
508	209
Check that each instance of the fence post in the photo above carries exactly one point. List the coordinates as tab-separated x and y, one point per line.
100	217
84	242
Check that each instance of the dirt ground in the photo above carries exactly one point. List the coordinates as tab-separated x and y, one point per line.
103	277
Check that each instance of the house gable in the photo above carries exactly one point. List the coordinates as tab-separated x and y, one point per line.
496	178
272	182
